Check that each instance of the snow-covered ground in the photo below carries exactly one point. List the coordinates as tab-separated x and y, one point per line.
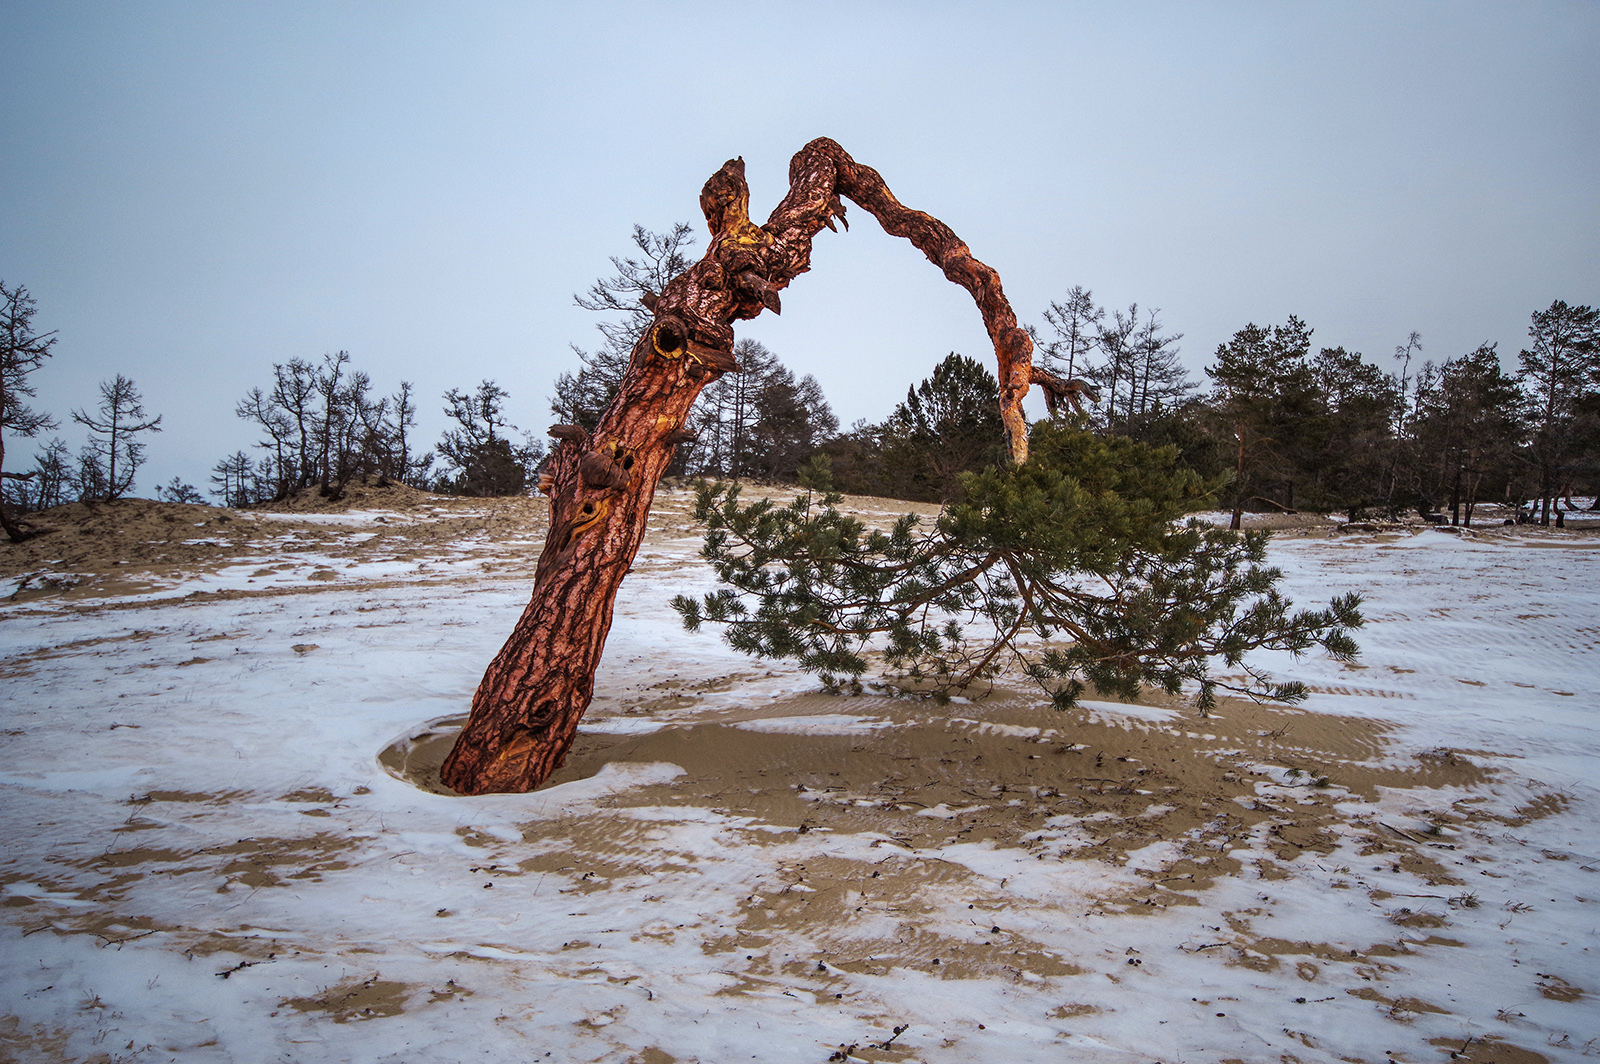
206	860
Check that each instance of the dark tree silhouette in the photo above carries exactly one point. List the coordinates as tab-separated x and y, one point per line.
21	352
1560	369
114	453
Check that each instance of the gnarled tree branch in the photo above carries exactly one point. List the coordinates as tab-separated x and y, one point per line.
526	710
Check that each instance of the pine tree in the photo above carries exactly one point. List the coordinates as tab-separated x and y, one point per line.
175	490
1469	428
948	425
793	420
1262	389
1560	372
1344	457
1072	565
526	709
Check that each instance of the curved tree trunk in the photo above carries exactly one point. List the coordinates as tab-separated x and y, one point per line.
526	710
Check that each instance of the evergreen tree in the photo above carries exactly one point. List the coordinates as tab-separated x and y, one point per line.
1073	565
1262	390
175	490
1346	438
793	419
1468	430
1560	373
948	425
855	459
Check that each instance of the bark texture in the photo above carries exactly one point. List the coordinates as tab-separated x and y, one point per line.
526	710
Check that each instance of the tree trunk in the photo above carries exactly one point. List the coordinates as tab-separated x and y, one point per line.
14	532
1238	483
526	710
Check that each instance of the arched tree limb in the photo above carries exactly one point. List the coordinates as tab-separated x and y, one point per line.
1059	392
601	484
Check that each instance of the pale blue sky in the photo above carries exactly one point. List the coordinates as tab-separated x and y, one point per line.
195	191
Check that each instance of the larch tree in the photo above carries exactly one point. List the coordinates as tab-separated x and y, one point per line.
114	453
1114	377
480	450
1157	379
21	352
1076	322
580	398
601	480
725	422
325	426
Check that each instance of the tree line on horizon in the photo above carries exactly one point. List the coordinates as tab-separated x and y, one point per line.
104	468
1289	427
1292	428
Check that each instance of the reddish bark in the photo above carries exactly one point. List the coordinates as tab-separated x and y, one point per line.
526	710
1059	393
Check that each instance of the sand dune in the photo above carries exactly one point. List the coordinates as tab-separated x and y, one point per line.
226	839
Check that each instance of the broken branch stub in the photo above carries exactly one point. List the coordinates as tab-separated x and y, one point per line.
527	707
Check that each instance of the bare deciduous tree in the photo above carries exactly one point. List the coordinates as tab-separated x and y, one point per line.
114	453
21	352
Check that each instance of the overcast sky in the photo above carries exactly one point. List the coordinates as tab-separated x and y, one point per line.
193	192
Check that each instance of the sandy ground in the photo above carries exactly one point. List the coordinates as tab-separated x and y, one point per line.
214	861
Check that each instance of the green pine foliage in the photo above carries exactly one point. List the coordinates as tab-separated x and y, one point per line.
1075	569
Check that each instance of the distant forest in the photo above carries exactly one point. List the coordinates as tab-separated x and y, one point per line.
1291	426
1288	426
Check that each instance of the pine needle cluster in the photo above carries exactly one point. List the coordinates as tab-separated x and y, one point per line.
1076	569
